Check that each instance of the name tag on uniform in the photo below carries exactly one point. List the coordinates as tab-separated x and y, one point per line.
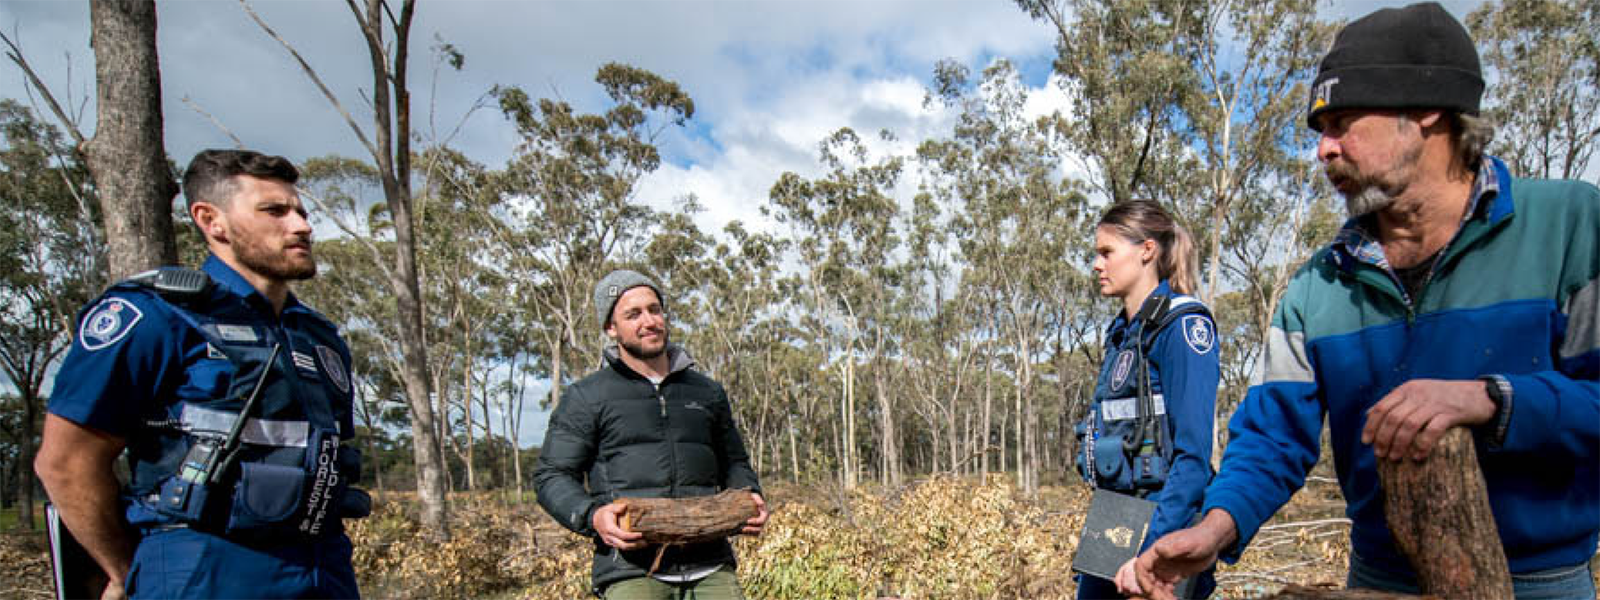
1123	409
237	333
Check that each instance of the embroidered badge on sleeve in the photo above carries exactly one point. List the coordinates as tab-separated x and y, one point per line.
1197	333
334	367
108	323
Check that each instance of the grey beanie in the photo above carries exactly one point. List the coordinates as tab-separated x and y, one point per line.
613	285
1413	57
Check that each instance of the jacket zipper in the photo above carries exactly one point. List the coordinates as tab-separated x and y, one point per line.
666	430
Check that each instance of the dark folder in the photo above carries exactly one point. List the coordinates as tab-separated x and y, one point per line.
75	573
1113	533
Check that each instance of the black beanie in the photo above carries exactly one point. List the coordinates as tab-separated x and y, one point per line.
1413	57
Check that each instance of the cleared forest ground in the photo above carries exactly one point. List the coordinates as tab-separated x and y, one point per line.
933	538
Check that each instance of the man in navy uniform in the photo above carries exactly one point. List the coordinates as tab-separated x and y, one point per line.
232	401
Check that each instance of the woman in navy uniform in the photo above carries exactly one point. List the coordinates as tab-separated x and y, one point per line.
1149	430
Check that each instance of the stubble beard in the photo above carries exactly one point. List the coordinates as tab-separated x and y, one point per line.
275	264
637	350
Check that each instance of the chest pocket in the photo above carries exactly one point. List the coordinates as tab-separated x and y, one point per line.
691	420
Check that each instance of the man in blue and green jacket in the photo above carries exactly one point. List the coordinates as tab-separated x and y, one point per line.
1456	295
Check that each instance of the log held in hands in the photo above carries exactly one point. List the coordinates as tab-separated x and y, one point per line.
688	520
1438	512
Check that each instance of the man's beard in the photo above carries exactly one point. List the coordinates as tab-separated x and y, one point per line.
274	264
1374	192
1369	200
636	350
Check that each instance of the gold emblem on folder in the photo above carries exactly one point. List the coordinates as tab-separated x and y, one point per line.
1121	536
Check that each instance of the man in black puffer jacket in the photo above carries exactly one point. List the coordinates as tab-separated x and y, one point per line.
643	425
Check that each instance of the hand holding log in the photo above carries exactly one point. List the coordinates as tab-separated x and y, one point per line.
689	520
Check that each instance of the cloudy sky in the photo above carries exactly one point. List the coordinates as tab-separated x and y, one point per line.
769	78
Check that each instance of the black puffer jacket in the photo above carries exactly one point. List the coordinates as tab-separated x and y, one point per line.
626	436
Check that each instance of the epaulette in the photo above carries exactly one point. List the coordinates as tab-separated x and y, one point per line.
1157	313
177	284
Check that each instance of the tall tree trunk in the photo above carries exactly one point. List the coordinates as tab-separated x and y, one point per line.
25	484
988	406
1438	510
891	446
555	374
466	407
852	467
794	454
127	156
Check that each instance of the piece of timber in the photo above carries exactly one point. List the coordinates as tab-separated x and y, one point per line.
1438	512
688	520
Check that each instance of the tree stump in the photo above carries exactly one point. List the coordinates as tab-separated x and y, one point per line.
1438	511
688	520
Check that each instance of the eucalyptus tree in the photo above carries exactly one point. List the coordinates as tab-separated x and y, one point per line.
566	203
1544	62
1246	119
842	231
386	34
725	295
1017	218
462	290
49	266
939	351
1127	65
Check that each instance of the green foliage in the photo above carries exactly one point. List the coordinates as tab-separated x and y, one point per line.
51	263
1543	57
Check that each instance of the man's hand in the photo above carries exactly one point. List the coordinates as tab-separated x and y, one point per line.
754	525
75	465
612	533
114	591
1127	581
1182	553
1411	419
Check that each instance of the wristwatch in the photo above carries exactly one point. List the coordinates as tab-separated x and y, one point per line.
1499	392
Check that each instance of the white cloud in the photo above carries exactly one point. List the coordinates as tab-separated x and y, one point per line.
770	78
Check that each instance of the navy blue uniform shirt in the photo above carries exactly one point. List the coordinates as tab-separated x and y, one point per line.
1183	367
137	369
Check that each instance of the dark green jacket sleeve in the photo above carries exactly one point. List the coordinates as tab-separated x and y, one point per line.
568	453
736	471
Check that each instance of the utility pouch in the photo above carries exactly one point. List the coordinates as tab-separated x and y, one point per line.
1149	470
354	503
265	495
183	500
1111	464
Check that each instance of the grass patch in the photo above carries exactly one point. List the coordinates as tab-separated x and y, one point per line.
9	515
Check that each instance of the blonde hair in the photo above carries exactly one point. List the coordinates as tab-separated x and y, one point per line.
1140	220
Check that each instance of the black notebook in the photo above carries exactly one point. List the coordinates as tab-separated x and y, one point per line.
75	572
1113	533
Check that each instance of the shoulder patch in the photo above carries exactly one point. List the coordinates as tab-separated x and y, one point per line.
1197	333
334	367
108	323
